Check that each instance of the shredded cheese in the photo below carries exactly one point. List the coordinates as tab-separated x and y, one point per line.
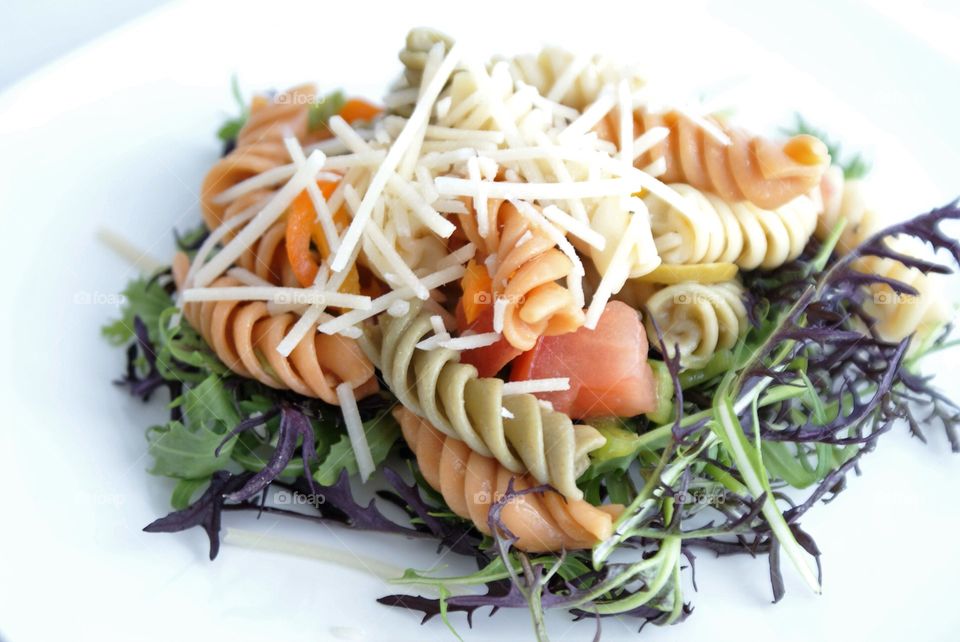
531	386
420	116
648	139
625	107
313	314
386	249
358	438
460	256
627	184
709	127
579	229
499	311
398	308
590	116
274	208
381	303
247	277
316	196
307	296
472	341
619	268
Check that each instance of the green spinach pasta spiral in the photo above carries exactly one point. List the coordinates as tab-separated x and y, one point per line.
739	232
698	318
450	395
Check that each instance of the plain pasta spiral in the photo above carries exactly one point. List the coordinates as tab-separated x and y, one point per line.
572	80
527	266
764	172
245	335
435	385
897	315
846	199
612	220
699	319
471	482
712	230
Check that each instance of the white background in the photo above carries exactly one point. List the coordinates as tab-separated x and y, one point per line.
119	134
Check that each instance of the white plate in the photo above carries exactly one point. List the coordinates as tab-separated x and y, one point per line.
119	134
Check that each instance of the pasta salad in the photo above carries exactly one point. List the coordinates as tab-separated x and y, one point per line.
562	327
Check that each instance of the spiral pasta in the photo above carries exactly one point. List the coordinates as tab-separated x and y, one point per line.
244	336
700	319
450	395
764	172
470	483
527	267
582	78
846	199
259	147
418	44
611	220
897	315
740	233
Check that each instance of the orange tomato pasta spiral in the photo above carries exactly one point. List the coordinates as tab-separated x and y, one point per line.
244	336
470	483
527	266
259	147
751	168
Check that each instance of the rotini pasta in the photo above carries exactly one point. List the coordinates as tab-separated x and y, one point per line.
497	245
466	112
740	233
611	220
575	81
897	315
470	483
417	47
259	147
244	336
527	267
845	199
450	395
764	172
239	165
699	319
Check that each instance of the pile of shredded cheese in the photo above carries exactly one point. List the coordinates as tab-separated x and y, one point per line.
400	178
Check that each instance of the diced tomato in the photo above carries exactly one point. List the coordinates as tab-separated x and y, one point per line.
607	367
490	359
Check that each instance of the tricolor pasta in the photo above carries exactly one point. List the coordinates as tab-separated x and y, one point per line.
712	230
450	395
471	482
735	165
527	269
897	315
245	336
544	304
697	319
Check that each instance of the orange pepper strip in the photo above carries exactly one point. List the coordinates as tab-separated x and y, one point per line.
358	109
477	291
301	226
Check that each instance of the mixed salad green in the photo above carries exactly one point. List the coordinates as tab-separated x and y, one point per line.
755	439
